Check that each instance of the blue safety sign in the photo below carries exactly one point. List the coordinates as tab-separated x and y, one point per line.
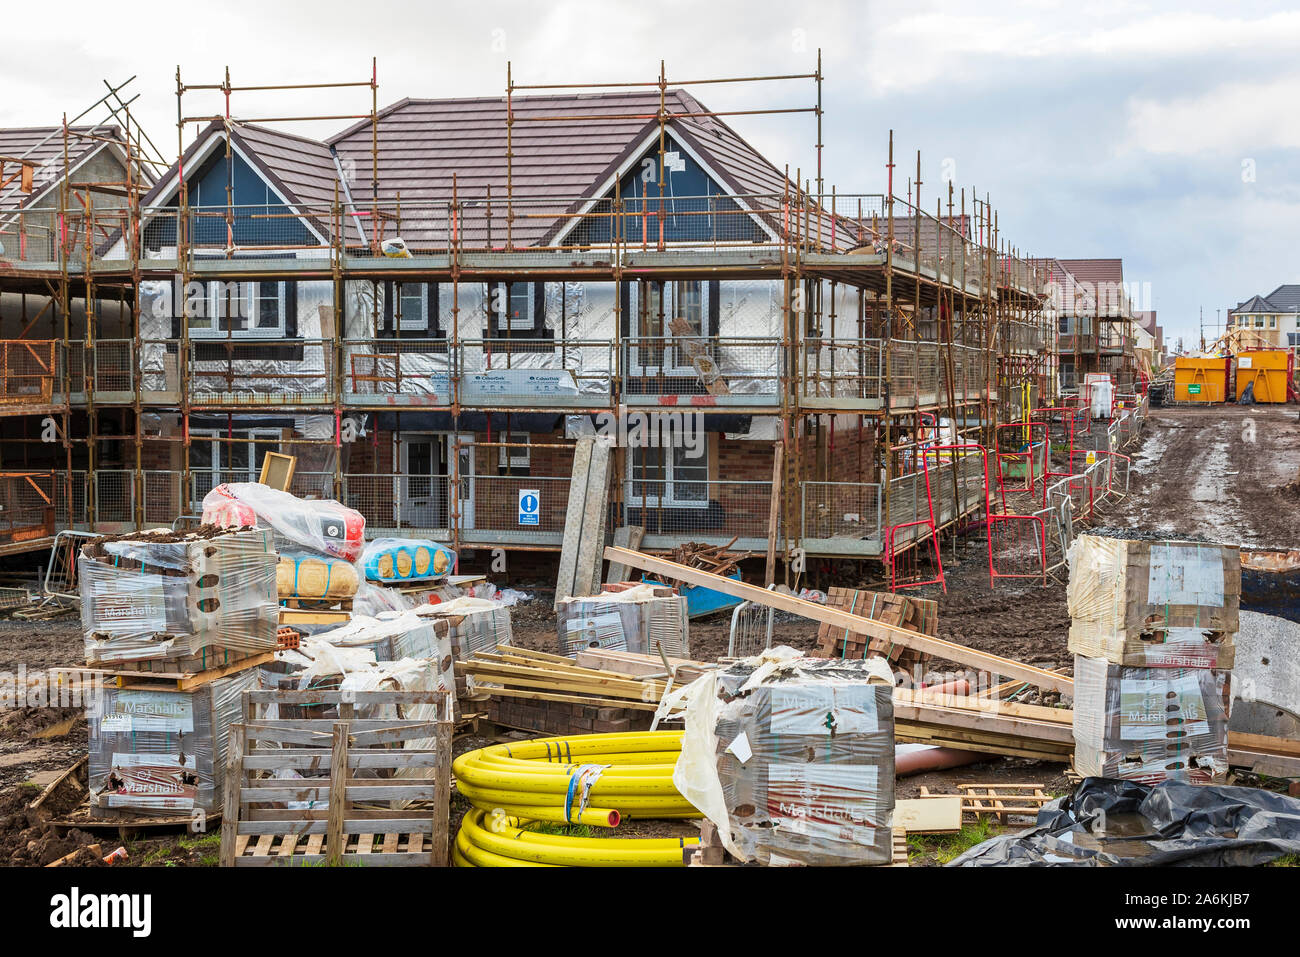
530	506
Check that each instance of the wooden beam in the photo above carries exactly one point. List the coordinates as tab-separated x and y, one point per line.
857	624
774	512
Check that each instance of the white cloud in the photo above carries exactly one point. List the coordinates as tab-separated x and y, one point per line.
1237	118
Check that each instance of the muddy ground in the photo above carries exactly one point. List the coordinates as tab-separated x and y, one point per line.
1223	474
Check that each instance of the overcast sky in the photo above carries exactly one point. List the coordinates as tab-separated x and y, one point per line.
1164	134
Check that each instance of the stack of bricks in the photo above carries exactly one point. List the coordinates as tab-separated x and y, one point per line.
1152	627
179	602
920	615
564	717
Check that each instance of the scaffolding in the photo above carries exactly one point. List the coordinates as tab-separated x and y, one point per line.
903	337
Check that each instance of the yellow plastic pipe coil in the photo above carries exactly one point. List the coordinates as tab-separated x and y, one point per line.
594	779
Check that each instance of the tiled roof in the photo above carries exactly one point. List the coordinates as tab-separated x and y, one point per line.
424	144
1285	298
43	146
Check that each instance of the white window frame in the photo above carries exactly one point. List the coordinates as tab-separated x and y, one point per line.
515	458
669	500
404	322
671	365
211	302
221	449
507	322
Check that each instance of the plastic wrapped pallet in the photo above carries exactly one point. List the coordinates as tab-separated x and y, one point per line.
1151	724
363	642
477	624
163	753
1158	648
166	596
640	620
1122	589
792	758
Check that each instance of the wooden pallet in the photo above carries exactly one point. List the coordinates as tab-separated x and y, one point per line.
1002	801
128	679
396	817
710	852
209	658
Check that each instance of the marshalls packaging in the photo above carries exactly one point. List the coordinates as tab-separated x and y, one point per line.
1151	724
167	595
1120	589
792	758
638	619
163	752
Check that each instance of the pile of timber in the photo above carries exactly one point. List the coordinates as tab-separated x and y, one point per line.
520	673
715	559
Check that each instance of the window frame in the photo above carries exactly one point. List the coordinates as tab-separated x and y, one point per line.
669	480
511	459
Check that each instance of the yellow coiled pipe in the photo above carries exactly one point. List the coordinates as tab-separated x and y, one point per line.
512	784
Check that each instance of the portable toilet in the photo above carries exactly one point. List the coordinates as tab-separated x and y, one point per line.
1266	373
1200	379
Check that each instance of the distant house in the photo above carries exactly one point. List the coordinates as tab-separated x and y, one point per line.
1150	335
1274	318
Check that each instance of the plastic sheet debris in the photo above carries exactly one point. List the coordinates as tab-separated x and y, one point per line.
1108	823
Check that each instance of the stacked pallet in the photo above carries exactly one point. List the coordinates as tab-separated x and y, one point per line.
179	623
1152	625
919	615
536	691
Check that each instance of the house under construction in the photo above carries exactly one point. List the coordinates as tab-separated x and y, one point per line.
430	306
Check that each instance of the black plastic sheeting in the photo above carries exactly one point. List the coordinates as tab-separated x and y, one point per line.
1107	823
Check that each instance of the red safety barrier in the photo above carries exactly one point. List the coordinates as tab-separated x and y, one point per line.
1016	443
906	564
1017	547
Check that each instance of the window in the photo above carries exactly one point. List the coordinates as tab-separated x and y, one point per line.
674	309
228	455
1259	322
407	306
253	309
1272	322
676	477
1063	325
512	459
519	302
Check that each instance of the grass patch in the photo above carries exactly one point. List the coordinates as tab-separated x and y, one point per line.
201	841
1286	860
563	830
947	847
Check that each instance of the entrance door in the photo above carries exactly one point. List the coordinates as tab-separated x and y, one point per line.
464	444
418	498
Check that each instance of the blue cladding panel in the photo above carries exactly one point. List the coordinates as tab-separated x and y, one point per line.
691	200
253	199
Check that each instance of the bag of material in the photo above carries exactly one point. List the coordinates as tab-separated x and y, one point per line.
317	578
323	526
390	560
